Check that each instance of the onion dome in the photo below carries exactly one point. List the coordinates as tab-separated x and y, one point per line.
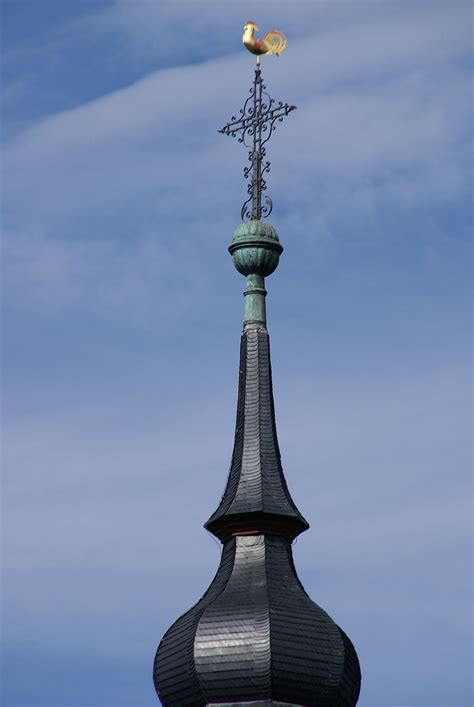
255	637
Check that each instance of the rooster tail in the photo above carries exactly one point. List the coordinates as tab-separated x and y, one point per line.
275	41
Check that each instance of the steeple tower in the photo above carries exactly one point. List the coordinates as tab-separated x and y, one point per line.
255	637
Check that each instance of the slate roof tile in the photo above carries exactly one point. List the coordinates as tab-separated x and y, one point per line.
256	484
256	636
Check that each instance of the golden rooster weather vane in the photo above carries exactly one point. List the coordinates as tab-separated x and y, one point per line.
274	42
256	122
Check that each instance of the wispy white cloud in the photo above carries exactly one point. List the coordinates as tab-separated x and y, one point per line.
383	119
169	33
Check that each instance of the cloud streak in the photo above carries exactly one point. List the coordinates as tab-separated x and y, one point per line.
356	145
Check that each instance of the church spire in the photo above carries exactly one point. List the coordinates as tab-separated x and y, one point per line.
255	637
256	498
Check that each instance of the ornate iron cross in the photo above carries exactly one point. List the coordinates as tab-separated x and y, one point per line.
254	127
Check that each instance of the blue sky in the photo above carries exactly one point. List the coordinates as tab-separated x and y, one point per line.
122	315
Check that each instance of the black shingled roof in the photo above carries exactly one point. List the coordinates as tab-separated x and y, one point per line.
256	496
255	636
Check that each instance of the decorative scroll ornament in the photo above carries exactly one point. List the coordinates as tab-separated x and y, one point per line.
253	128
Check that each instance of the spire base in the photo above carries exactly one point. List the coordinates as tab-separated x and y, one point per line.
258	523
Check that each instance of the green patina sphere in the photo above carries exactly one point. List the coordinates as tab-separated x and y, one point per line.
255	248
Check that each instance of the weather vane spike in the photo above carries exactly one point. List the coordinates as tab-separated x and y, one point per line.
257	121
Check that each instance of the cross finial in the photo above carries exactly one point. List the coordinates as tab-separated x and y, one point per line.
254	127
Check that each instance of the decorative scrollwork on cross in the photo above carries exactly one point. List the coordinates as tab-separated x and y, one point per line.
253	128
